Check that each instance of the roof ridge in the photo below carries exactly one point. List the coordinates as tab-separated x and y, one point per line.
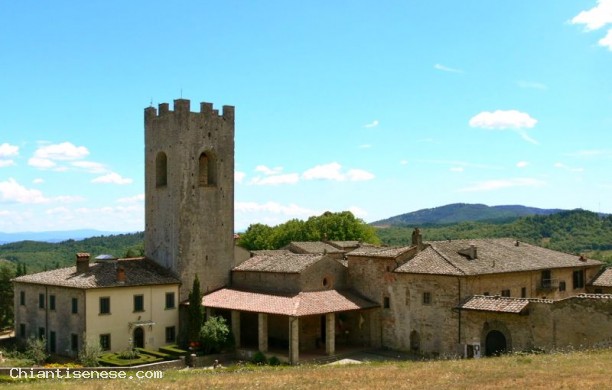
447	260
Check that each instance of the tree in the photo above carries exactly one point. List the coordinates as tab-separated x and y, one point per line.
214	335
195	311
36	350
6	295
89	355
342	226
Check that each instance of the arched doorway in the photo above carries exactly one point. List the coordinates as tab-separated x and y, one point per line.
495	343
138	337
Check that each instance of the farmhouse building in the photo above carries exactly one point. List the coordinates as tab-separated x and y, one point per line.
451	298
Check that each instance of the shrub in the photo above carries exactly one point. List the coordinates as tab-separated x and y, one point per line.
173	350
274	361
89	355
114	359
214	334
36	350
259	358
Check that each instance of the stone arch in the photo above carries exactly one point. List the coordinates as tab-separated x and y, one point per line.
495	338
207	169
161	170
415	341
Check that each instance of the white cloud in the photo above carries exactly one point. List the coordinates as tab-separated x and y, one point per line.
41	163
492	185
132	199
365	146
333	171
447	69
567	168
291	210
68	199
239	176
404	162
532	85
505	120
288	178
372	124
13	192
358	212
522	164
38	181
268	171
457	169
45	157
596	18
112	178
7	150
90	166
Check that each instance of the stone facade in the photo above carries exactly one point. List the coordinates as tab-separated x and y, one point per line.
189	187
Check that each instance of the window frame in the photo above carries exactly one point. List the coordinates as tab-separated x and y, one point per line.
52	302
41	300
171	331
22	298
578	277
170	297
105	306
138	303
427	298
75	306
105	341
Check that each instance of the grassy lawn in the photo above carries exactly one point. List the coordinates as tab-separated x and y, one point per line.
577	370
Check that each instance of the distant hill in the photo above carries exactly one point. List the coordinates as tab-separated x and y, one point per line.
52	236
38	256
462	212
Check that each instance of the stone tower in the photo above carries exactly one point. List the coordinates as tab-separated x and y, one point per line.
189	187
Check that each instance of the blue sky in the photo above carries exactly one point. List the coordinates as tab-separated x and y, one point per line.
378	107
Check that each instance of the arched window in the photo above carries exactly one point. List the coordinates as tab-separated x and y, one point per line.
161	170
207	170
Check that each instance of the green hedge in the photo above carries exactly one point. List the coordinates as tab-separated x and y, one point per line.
113	360
173	350
151	352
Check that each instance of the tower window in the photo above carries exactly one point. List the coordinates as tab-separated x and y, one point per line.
207	175
161	170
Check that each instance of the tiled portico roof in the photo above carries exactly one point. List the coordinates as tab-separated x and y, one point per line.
495	303
604	279
281	262
375	251
296	305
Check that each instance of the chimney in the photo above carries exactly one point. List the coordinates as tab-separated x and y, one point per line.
470	252
82	262
120	274
417	238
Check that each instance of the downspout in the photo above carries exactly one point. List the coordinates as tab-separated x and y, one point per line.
459	318
47	318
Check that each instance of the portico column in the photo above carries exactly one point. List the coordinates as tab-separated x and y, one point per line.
294	340
236	327
330	336
262	331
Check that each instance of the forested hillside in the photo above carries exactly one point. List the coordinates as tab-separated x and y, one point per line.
575	231
38	256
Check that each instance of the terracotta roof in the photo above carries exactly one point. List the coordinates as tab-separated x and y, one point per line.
138	272
377	251
283	263
345	245
495	303
492	256
604	279
297	305
270	252
429	261
314	247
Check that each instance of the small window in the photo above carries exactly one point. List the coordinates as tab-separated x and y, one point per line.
170	300
51	302
170	334
578	279
562	286
523	292
41	301
105	342
486	293
41	333
426	298
386	302
74	342
598	291
138	303
22	331
161	170
75	306
22	298
407	296
105	305
505	293
207	170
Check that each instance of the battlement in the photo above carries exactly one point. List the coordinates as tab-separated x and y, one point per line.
184	106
